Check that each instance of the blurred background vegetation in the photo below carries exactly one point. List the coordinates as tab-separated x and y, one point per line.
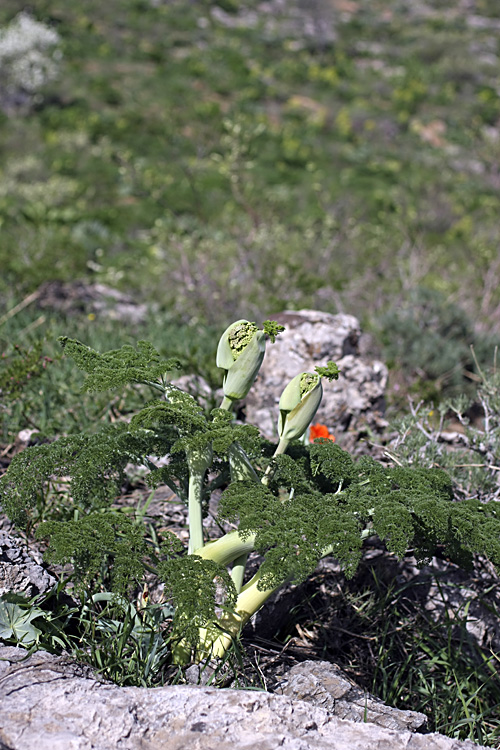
226	159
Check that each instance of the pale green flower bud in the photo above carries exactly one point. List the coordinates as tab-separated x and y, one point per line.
299	403
240	353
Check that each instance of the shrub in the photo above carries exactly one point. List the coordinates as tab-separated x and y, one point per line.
29	59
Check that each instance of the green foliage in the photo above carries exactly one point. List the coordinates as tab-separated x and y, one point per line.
288	152
88	542
51	400
118	367
95	463
306	528
53	612
405	507
125	644
18	367
181	411
330	372
272	329
268	170
16	623
402	652
436	668
429	340
332	466
197	587
330	503
423	440
290	471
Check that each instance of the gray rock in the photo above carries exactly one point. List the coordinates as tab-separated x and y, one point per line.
307	22
198	387
352	404
325	685
48	703
20	573
78	297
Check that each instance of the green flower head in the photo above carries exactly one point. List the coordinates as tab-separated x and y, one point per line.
240	353
299	403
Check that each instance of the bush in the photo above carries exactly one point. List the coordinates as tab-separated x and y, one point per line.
29	57
429	340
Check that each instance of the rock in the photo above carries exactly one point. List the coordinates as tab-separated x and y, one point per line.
20	573
351	405
325	685
91	299
198	387
49	703
308	23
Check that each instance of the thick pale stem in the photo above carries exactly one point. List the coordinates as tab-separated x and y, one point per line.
281	448
238	572
226	404
226	549
231	548
248	603
197	466
195	513
198	461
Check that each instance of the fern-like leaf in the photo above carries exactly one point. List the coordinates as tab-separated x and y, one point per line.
119	367
94	539
199	590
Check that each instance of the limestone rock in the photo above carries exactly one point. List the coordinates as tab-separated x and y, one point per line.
324	684
19	572
49	703
311	23
350	404
100	300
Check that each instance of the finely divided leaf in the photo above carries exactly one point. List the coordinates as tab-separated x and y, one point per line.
118	367
197	588
94	539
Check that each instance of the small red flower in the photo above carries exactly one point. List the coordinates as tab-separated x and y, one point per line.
320	431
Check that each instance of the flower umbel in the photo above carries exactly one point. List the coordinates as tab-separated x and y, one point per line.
299	403
240	353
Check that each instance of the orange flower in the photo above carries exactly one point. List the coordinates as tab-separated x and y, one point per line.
319	431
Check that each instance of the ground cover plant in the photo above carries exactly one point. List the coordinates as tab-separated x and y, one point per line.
294	503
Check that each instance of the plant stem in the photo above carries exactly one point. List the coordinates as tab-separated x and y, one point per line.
198	461
226	404
195	515
227	548
248	603
238	571
281	448
231	548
